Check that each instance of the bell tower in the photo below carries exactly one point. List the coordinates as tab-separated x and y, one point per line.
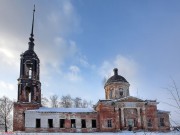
29	85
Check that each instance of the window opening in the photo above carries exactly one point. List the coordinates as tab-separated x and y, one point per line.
62	123
50	123
28	94
93	123
38	123
30	72
109	123
73	123
121	93
135	122
83	123
162	122
37	98
149	123
111	94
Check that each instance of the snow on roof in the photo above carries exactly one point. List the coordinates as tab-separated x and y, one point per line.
56	110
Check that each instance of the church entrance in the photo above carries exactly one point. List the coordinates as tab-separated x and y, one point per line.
130	124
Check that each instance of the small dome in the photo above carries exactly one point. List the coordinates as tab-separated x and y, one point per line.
29	53
115	78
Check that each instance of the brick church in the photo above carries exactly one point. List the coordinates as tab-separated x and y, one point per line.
119	111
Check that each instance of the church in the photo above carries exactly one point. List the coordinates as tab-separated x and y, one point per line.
119	111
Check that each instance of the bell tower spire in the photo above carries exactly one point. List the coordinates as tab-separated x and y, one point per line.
31	43
29	85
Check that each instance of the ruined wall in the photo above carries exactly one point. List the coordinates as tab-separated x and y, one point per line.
126	113
165	116
30	122
119	113
19	115
107	111
151	113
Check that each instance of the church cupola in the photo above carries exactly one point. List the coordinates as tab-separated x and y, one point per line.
116	86
29	86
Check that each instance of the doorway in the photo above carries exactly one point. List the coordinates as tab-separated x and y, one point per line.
130	124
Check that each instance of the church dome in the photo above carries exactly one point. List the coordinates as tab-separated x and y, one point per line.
115	78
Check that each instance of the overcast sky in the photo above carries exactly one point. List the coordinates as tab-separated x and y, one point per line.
80	42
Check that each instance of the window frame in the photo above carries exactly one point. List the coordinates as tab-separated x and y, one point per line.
109	123
161	122
149	122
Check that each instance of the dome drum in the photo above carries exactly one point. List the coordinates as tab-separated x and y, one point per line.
116	86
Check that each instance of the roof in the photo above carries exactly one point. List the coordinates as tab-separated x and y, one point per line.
30	53
135	99
58	110
116	78
162	111
128	99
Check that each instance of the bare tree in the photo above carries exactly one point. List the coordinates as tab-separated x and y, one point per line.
6	106
66	101
175	95
54	101
84	104
90	103
44	101
77	102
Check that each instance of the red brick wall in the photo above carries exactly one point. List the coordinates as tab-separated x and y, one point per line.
107	112
18	117
166	126
151	112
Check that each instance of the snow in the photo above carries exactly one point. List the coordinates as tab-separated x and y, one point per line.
57	110
97	133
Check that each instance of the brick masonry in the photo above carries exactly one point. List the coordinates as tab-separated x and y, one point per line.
19	114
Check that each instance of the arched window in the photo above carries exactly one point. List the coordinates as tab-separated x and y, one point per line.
121	93
28	94
29	66
111	93
30	72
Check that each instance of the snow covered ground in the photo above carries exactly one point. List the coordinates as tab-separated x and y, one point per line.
104	133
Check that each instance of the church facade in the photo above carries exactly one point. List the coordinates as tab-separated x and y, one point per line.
119	111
